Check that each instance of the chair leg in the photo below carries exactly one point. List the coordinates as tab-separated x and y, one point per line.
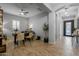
30	42
77	39
23	42
72	40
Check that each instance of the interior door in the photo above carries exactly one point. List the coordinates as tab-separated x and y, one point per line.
68	27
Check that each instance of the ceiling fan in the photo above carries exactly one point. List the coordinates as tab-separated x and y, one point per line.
23	12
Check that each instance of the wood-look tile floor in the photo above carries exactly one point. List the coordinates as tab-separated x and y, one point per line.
39	48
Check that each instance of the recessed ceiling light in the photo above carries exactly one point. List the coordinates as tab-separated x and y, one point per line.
66	11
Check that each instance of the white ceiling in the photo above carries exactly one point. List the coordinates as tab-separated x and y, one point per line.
32	8
56	6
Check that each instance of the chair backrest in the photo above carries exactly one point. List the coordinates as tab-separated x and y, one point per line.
20	36
30	34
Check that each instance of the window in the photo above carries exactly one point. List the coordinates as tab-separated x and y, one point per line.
16	24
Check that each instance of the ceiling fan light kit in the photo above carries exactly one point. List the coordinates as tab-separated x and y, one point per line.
23	12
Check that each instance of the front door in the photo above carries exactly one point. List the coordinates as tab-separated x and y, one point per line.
68	27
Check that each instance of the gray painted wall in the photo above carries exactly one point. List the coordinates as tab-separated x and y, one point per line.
38	22
51	27
7	20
